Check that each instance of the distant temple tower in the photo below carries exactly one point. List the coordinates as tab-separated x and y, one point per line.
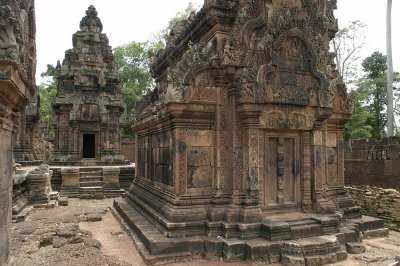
88	104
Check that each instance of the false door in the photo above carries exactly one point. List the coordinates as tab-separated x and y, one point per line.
282	172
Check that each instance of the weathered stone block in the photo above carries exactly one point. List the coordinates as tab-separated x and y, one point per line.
213	248
94	217
234	250
111	177
257	251
355	248
382	232
288	260
70	177
63	201
341	255
328	258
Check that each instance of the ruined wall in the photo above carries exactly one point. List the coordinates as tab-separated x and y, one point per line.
128	150
377	202
17	89
373	162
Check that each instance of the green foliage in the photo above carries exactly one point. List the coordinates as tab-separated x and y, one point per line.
373	84
132	62
47	93
358	128
161	37
370	119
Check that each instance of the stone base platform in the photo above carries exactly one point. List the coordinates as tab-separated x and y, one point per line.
92	182
292	239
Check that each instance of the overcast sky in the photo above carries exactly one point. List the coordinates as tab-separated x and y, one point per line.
136	20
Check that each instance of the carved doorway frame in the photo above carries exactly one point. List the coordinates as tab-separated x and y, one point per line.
282	174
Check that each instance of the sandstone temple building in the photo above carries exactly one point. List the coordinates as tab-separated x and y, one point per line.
88	105
243	138
87	161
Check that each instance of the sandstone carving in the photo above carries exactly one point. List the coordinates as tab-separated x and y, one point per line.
258	78
88	105
17	90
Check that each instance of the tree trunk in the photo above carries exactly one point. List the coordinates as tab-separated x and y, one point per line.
390	117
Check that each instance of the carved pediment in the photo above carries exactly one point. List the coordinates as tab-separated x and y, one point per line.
89	112
288	117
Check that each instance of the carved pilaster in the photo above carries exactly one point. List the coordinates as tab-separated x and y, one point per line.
180	160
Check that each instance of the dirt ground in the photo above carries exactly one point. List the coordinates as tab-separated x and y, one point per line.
71	235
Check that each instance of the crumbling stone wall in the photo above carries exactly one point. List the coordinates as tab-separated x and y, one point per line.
377	202
373	162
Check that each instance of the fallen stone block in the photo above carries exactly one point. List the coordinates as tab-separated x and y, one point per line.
234	250
94	217
63	201
383	232
355	248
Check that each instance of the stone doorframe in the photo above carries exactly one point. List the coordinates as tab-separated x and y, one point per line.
97	144
303	181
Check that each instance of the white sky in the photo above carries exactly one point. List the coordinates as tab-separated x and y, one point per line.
136	20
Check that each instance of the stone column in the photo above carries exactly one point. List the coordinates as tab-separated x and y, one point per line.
111	177
5	183
251	211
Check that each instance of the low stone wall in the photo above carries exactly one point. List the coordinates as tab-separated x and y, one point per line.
377	202
373	162
128	150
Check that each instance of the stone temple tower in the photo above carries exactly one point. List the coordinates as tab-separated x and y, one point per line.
88	105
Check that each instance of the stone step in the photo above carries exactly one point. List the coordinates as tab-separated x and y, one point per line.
366	223
113	193
275	230
91	192
94	195
90	174
93	183
19	205
91	188
155	242
314	251
22	215
90	169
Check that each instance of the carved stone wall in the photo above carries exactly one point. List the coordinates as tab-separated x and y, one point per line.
128	149
17	89
88	105
373	162
23	151
246	120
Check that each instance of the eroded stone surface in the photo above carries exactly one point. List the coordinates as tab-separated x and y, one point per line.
53	237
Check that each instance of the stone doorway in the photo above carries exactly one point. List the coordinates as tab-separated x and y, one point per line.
282	172
89	146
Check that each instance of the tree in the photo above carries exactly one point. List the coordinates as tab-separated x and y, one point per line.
133	69
373	84
47	91
159	39
347	45
358	128
390	116
132	61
